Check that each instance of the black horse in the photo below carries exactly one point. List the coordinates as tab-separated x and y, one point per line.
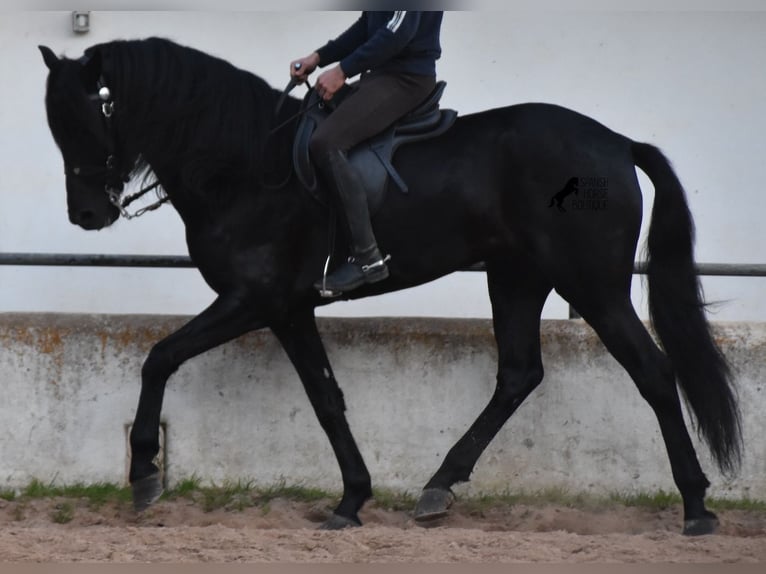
478	193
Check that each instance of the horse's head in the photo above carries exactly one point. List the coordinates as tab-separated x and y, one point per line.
79	112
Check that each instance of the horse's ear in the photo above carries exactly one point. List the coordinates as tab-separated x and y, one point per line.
91	67
50	59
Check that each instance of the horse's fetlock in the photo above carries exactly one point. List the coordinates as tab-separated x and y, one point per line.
360	485
140	470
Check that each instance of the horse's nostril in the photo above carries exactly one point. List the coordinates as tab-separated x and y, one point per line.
85	218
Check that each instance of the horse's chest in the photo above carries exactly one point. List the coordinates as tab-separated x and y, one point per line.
227	263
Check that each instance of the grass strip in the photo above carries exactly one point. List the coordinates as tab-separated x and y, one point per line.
241	494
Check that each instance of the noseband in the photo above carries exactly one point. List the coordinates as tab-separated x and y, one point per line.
115	179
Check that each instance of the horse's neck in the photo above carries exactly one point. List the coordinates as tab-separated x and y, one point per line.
272	168
246	205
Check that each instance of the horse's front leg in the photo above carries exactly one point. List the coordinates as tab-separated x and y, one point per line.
226	319
303	345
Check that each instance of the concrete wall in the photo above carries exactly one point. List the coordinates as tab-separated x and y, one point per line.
688	80
412	386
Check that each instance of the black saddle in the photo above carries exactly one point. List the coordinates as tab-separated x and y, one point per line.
372	158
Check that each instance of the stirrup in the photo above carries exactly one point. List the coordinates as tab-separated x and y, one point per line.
324	292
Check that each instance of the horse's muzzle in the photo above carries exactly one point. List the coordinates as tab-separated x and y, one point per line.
90	220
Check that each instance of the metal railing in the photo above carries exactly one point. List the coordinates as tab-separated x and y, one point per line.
94	260
183	261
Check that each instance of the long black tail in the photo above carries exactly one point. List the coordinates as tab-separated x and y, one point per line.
677	311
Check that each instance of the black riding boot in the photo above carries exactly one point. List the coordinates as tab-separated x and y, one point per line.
366	264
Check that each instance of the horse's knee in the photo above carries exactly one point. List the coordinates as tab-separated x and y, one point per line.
159	364
514	384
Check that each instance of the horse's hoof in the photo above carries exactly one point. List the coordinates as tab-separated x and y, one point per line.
708	524
434	503
338	522
146	491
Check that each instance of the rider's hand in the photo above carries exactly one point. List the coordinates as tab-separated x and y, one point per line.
329	82
301	69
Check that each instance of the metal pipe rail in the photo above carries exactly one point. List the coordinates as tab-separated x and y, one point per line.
183	261
94	260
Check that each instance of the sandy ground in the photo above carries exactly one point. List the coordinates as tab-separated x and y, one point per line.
285	531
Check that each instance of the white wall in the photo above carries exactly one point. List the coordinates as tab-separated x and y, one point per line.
690	82
71	383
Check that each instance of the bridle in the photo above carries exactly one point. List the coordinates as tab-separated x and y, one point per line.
115	179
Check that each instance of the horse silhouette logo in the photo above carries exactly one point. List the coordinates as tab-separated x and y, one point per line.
572	186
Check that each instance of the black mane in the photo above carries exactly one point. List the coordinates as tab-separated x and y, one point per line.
177	106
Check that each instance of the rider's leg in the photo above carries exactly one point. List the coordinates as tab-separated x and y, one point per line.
378	101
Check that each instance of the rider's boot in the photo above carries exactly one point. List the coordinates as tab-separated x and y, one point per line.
366	264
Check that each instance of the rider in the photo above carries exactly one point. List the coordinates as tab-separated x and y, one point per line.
396	54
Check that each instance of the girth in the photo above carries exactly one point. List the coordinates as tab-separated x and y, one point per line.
372	158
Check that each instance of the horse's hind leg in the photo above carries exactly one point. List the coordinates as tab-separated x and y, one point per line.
518	292
627	339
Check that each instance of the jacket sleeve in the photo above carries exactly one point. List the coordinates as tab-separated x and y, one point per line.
344	44
385	43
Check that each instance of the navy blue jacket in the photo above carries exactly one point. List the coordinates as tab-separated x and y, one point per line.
400	41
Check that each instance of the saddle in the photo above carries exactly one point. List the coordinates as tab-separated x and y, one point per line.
372	158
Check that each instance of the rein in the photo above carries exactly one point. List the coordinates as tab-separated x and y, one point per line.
302	111
332	224
281	101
